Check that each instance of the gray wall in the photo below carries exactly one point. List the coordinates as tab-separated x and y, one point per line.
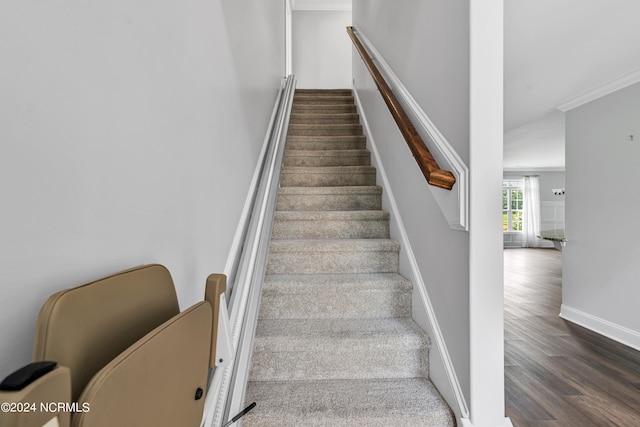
129	133
600	261
321	49
409	35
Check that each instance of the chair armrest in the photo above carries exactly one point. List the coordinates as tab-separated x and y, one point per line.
216	286
31	392
26	375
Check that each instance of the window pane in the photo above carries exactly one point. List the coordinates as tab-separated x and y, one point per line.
505	220
516	199
505	201
516	221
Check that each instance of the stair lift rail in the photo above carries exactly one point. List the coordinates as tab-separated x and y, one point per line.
228	383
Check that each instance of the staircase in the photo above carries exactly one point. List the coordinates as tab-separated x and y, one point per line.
335	343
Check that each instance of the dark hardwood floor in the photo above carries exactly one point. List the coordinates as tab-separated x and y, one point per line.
558	373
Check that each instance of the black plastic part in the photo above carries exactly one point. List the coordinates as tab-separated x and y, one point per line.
26	375
244	412
199	393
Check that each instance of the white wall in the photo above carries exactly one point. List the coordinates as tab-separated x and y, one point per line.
600	262
437	76
321	49
129	132
552	207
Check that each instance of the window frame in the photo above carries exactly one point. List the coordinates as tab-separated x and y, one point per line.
508	185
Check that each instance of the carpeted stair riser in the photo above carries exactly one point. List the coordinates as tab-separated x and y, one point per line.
332	256
327	158
324	118
331	225
330	176
354	296
342	129
346	142
324	108
338	349
355	403
324	92
329	198
329	99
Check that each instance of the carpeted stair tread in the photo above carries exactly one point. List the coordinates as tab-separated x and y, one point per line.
316	158
332	215
327	176
330	225
293	284
327	108
302	349
326	99
330	170
329	198
333	245
332	191
324	118
323	92
324	129
299	296
286	335
319	142
348	403
324	138
332	256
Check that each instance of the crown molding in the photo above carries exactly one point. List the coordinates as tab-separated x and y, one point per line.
535	169
321	5
599	92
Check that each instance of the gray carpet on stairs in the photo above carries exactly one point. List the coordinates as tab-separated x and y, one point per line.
335	343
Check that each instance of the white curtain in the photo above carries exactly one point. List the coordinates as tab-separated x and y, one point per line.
531	214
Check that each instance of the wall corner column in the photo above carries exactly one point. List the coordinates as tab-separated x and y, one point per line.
486	294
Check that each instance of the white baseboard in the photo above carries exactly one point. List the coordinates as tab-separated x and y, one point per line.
453	394
611	330
466	422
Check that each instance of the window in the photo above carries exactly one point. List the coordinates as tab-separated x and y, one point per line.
512	201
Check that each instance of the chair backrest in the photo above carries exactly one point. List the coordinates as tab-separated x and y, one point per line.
159	381
85	327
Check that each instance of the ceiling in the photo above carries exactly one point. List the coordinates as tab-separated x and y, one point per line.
559	54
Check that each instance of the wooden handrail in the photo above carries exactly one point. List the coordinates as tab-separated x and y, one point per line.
428	165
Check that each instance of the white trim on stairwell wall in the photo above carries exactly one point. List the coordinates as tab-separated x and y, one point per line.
451	391
454	203
288	42
239	237
246	262
604	327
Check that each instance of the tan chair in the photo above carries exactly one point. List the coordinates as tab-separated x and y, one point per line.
123	356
